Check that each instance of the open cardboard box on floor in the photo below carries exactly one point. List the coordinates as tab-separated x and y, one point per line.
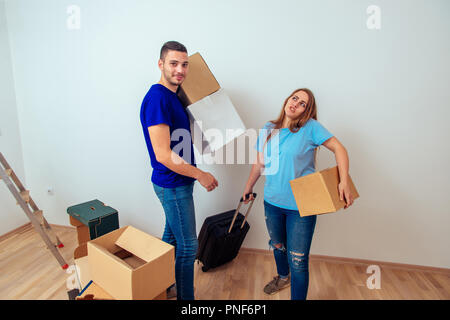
130	264
318	193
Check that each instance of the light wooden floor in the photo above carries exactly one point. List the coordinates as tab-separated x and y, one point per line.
29	271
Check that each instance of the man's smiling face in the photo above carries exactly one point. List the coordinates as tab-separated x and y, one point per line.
174	67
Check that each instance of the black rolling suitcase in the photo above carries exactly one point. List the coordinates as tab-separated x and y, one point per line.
221	237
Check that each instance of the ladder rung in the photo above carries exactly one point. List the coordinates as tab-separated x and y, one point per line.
25	194
39	214
8	172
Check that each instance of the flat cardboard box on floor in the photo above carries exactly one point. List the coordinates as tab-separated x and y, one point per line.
130	264
199	82
82	269
92	291
214	122
318	193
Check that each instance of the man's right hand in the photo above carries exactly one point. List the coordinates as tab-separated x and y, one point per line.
208	181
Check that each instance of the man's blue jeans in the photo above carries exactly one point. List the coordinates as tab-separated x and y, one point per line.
180	231
290	237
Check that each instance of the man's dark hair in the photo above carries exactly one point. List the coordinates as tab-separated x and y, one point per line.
171	45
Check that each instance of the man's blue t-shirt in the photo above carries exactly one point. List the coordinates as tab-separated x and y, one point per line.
290	158
161	105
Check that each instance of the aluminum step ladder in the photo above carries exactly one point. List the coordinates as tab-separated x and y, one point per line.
32	211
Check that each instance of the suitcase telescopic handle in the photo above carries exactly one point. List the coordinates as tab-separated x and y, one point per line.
237	211
246	196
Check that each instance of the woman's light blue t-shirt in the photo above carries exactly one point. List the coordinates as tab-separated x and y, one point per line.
287	156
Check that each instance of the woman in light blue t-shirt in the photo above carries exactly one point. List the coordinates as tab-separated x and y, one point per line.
286	150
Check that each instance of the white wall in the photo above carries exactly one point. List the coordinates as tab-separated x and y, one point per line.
11	216
383	93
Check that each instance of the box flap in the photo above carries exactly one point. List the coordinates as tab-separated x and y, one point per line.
111	256
141	244
108	240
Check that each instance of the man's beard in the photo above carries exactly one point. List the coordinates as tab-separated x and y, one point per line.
169	77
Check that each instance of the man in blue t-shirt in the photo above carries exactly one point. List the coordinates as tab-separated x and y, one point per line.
167	134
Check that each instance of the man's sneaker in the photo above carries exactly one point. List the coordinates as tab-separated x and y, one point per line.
277	284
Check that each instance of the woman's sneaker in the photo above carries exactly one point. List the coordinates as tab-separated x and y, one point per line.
172	292
277	284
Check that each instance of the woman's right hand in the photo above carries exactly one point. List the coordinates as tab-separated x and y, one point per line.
248	192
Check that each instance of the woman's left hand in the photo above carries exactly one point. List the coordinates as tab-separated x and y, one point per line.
345	194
